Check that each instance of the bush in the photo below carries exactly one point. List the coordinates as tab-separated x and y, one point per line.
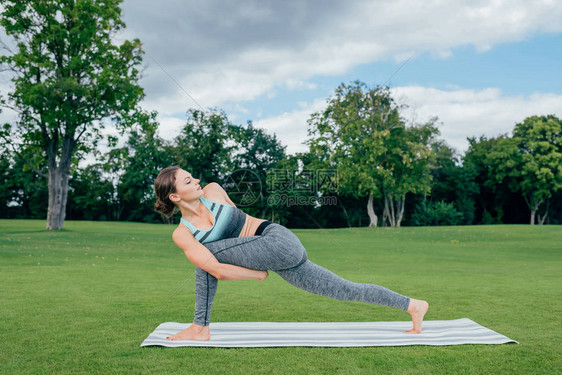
436	213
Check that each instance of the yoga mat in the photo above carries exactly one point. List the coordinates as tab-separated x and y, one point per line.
331	334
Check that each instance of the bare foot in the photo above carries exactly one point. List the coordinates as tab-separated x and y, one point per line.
193	332
417	309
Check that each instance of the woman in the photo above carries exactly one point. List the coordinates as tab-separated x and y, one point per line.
224	243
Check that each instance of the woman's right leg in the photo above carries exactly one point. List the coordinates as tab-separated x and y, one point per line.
318	280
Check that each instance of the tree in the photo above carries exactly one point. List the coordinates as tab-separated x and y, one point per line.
452	182
490	195
361	134
531	161
203	148
68	76
146	155
410	161
256	154
23	190
90	192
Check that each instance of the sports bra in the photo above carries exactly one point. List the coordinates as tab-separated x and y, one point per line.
228	222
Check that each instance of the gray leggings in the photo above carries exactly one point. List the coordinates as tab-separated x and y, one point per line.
279	250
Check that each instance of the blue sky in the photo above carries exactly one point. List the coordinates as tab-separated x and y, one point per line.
479	66
516	68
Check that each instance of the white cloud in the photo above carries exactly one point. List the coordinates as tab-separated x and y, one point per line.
462	113
471	113
291	127
233	52
225	53
170	127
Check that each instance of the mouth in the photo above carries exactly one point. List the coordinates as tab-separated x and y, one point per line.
199	187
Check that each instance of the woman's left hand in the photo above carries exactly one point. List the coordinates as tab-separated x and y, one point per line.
263	275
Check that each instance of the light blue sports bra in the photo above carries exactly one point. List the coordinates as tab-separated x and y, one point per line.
228	222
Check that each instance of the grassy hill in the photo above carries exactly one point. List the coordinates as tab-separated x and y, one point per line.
81	300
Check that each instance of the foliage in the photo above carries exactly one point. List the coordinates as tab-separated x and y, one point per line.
453	182
530	161
436	213
68	76
362	134
24	191
489	195
255	154
145	155
202	147
90	194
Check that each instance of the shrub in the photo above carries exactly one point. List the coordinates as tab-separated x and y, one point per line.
436	213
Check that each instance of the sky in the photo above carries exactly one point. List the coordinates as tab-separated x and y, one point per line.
479	66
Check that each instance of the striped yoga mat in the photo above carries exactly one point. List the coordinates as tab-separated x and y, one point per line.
259	334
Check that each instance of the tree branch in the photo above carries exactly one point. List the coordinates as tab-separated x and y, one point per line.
8	142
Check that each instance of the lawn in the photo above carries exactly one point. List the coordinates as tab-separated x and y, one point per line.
82	300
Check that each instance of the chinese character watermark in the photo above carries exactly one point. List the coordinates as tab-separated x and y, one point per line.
307	187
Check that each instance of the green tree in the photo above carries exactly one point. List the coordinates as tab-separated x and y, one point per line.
489	194
204	145
24	191
68	76
453	182
361	134
410	160
5	184
531	161
255	154
89	196
147	154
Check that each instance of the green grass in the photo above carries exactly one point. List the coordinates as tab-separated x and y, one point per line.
81	300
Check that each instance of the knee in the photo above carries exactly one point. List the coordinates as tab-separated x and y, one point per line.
298	257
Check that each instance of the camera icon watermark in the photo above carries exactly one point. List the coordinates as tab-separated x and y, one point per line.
244	187
306	187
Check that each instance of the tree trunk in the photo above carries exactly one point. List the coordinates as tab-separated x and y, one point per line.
385	213
58	183
543	218
400	209
371	212
390	213
533	206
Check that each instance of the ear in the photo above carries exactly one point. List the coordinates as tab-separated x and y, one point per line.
174	197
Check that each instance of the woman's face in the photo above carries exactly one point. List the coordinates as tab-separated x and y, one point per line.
187	187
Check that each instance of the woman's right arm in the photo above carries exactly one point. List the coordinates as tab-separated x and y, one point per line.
200	256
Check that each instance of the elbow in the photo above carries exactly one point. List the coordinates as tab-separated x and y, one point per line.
217	273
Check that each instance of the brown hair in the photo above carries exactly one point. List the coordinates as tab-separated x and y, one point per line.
164	185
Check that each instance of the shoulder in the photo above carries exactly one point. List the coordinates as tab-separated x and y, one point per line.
215	192
182	235
213	188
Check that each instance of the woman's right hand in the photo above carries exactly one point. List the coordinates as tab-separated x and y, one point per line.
263	275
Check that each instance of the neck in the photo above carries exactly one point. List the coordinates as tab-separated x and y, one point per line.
190	209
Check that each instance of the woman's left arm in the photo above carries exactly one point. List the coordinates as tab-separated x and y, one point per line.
232	272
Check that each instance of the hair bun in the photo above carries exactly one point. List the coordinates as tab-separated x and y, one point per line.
165	209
